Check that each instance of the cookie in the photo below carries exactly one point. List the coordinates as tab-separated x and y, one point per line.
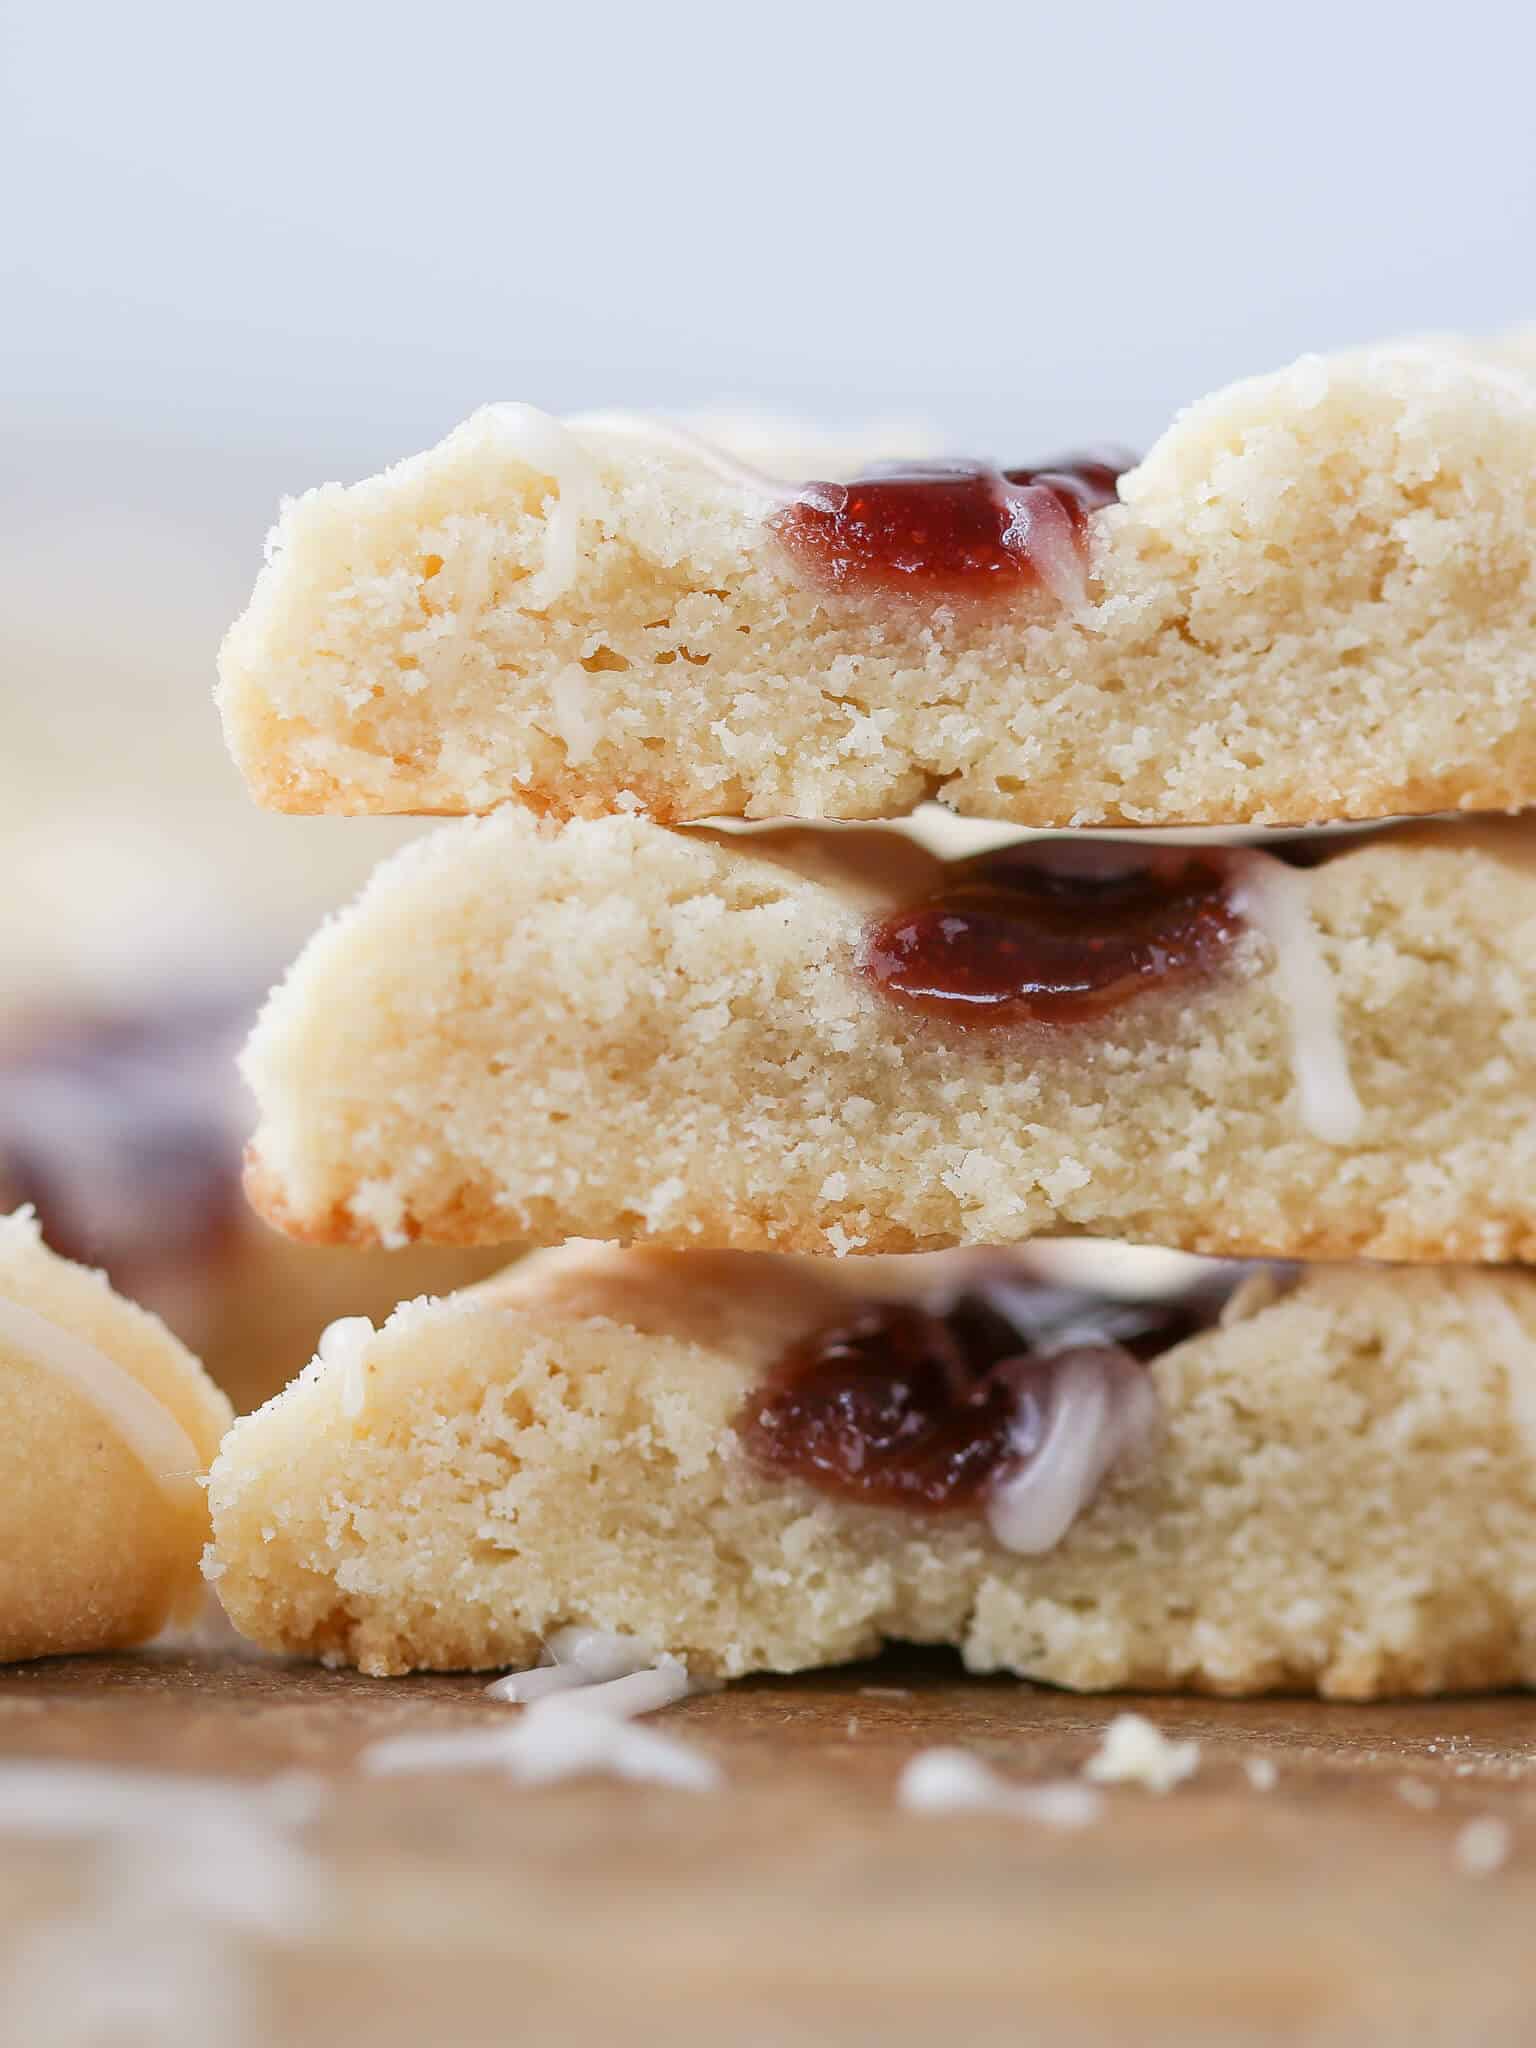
823	1039
1313	599
123	1125
1215	1481
108	1424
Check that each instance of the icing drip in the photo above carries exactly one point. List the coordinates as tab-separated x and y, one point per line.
145	1425
1273	899
342	1347
579	1708
550	1742
1100	1410
639	426
544	444
605	1667
955	1781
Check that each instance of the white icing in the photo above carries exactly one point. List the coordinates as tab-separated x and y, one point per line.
1100	1408
1042	530
639	426
1134	1752
578	1710
70	1802
640	1692
955	1781
463	1749
182	1883
1483	1846
342	1347
616	1674
543	443
555	1738
552	1741
1414	1792
1275	900
144	1424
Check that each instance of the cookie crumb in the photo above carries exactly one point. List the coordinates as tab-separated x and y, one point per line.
1482	1846
1414	1792
1134	1752
1261	1773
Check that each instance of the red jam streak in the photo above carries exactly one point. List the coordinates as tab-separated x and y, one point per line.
1055	931
918	1405
944	531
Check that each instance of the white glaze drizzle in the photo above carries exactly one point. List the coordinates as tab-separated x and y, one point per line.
541	442
1100	1408
145	1425
1042	531
547	1742
602	1664
342	1347
579	1707
1275	901
956	1781
661	433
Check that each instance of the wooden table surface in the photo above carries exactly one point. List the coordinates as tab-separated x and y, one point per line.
799	1903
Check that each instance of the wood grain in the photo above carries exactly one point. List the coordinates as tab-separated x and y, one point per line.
799	1904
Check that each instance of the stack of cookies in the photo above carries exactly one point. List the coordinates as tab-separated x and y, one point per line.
846	1101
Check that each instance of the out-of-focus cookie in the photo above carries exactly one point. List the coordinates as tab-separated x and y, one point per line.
1176	1476
1314	599
107	1425
123	1126
827	1039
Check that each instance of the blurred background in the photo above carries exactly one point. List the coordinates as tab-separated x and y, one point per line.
248	250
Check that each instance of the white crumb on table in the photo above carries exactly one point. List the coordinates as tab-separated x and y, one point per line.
184	1874
1134	1752
1261	1773
555	1738
955	1781
1414	1792
1483	1846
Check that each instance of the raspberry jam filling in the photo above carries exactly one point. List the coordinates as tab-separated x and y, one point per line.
1056	931
944	531
936	1405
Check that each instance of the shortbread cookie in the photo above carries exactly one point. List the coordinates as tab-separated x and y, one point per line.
1315	598
107	1425
123	1126
826	1039
1248	1483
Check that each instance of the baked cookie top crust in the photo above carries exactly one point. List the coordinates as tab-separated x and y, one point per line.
1315	598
